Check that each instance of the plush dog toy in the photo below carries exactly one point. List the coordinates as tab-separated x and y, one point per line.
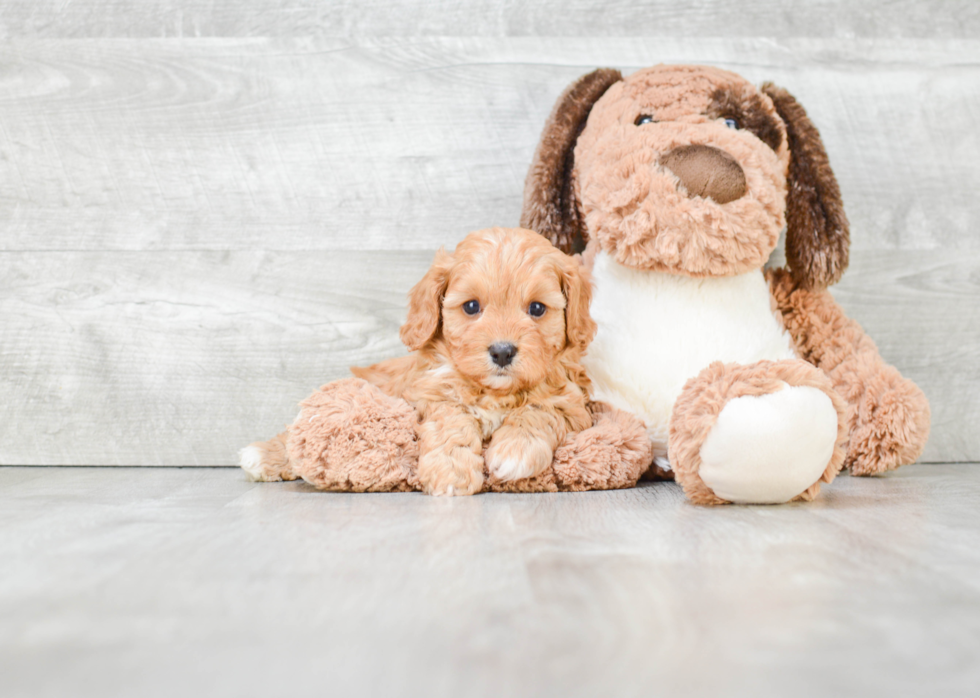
492	397
676	181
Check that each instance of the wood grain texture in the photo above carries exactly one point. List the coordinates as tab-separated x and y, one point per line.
195	233
182	358
216	144
173	582
654	18
168	358
923	311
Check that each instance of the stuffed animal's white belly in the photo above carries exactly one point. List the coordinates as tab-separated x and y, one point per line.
657	330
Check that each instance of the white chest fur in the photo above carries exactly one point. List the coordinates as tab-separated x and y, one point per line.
657	330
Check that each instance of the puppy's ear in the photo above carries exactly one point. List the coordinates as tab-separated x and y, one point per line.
576	285
425	303
550	207
817	233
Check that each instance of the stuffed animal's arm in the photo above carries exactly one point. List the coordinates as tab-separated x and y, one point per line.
888	415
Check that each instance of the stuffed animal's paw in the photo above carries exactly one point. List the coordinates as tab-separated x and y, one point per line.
767	449
515	454
765	433
351	437
610	454
892	426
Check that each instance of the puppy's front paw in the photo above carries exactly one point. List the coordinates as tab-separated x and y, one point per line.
514	454
459	472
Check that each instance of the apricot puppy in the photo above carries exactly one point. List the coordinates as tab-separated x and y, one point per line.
497	330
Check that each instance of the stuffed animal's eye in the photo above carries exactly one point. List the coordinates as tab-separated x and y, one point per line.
643	119
471	307
536	309
731	123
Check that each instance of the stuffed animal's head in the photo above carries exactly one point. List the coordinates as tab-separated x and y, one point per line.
689	170
504	308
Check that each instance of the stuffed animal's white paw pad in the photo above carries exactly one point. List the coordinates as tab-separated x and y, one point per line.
767	449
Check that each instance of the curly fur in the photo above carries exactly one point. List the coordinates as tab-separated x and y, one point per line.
445	419
610	455
463	399
351	436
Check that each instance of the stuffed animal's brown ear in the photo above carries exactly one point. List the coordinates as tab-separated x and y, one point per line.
550	207
425	303
817	233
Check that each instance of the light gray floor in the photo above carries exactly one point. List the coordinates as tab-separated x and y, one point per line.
171	582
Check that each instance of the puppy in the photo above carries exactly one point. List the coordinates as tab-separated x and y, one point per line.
497	330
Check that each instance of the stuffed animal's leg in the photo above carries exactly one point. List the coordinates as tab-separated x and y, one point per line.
888	416
267	461
611	454
764	433
350	436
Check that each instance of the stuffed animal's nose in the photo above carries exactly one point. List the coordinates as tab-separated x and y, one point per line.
708	172
502	353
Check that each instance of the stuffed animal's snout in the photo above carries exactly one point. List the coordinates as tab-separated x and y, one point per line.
707	172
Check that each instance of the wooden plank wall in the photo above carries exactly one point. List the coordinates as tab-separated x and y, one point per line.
208	208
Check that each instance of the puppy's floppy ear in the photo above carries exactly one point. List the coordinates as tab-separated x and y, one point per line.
817	233
550	207
425	303
576	285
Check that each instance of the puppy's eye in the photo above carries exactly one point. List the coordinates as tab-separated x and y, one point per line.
536	309
471	307
731	123
643	119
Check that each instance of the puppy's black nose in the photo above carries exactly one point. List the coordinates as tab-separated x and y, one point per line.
502	353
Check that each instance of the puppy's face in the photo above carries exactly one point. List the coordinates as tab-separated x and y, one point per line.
683	169
503	306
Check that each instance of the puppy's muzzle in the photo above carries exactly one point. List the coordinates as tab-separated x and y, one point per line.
707	171
502	353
